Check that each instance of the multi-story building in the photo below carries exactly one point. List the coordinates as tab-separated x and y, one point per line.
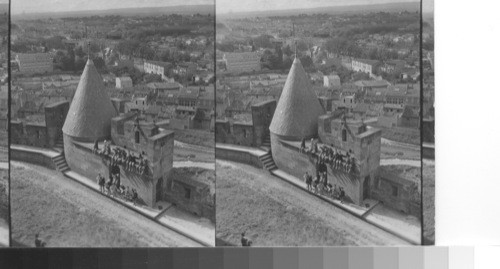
242	62
124	82
363	65
32	63
155	67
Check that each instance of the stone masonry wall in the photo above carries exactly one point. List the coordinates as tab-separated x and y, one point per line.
290	160
262	115
88	164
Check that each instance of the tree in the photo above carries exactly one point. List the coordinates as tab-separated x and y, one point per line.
287	51
127	47
79	52
262	41
306	61
79	64
55	42
99	63
302	45
151	78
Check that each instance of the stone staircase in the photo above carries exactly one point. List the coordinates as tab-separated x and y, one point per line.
60	162
266	142
59	147
268	162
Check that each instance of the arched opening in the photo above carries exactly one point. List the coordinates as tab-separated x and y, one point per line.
137	137
344	135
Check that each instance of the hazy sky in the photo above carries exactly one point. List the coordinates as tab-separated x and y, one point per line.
33	6
428	5
225	6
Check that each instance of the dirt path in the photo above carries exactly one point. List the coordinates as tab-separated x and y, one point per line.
275	213
68	214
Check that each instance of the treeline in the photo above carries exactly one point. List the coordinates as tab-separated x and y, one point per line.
144	32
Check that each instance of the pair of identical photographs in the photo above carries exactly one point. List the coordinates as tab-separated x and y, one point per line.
174	124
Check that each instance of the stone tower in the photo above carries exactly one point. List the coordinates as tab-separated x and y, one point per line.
298	109
90	113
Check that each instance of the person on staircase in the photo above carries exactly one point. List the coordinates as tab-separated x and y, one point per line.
303	145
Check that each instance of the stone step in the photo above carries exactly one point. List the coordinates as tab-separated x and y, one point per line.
269	160
65	169
272	168
63	165
60	162
265	157
58	159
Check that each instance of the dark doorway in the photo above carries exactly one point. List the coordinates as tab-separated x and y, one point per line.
137	137
366	188
159	189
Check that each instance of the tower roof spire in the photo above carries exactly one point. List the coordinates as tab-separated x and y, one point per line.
298	109
90	113
295	49
88	49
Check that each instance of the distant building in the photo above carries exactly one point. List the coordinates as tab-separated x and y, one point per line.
155	67
32	63
393	66
124	82
137	104
348	101
162	88
242	62
363	65
331	80
372	85
188	97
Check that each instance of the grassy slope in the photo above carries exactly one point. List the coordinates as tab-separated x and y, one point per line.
429	203
3	146
4	199
196	174
69	215
196	137
273	213
405	135
240	208
38	210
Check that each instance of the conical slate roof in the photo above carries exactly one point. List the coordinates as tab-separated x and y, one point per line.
298	108
91	110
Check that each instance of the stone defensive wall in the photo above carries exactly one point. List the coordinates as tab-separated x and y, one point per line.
192	196
31	156
250	134
397	193
45	134
288	158
83	161
234	154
